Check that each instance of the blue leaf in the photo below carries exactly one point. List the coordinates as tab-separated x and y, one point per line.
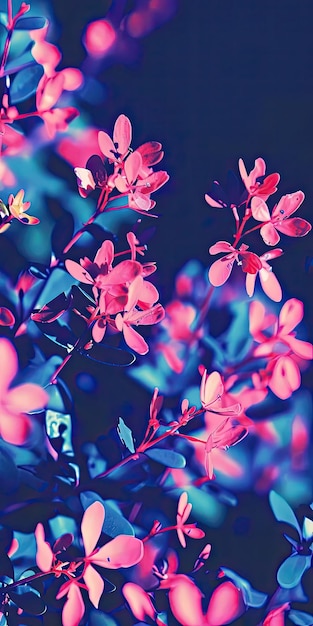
292	570
300	618
251	597
25	83
283	512
114	522
170	458
31	23
125	435
19	63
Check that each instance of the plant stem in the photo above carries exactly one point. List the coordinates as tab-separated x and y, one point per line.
25	581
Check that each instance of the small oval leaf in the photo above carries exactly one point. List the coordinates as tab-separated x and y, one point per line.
31	23
25	83
170	458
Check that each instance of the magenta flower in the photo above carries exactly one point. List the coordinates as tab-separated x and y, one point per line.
268	280
220	270
16	402
261	188
276	617
227	434
280	219
183	511
211	392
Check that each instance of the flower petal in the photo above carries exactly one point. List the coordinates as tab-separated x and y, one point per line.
269	234
285	378
94	583
220	270
91	525
74	607
270	285
122	134
290	315
294	227
26	398
122	551
8	363
226	604
44	555
260	210
287	205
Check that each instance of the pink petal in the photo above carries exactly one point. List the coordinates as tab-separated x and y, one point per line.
276	617
290	315
124	272
78	272
251	263
194	532
91	526
208	463
94	583
211	388
272	254
287	205
106	145
44	555
135	341
181	537
49	91
105	254
270	285
14	429
147	317
122	134
294	227
250	284
153	182
258	170
73	78
139	601
134	292
256	317
148	293
212	202
221	246
74	607
99	330
220	270
260	210
226	604
26	398
122	551
182	503
269	234
85	178
8	364
285	378
132	166
185	600
304	349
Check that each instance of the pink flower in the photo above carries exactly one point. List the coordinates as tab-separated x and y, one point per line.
268	280
18	208
16	402
221	269
183	511
117	149
280	219
264	188
228	433
122	551
226	604
211	392
281	347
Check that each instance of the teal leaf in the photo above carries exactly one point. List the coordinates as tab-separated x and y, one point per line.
125	435
251	597
31	23
170	458
25	83
300	618
292	569
283	512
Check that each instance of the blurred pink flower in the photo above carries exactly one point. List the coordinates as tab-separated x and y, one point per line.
16	402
